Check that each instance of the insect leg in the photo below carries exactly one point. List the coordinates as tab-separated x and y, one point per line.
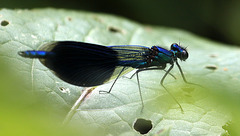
113	82
158	68
170	74
139	88
184	79
166	88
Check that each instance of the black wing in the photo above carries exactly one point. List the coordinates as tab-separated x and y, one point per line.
79	63
131	55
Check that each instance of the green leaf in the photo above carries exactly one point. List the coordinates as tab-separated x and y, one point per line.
213	65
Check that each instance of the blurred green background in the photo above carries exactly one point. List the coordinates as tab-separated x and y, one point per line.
218	20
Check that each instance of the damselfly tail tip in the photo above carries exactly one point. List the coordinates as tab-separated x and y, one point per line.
22	53
35	54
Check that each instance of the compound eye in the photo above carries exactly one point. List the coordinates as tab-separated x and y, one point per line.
184	55
175	47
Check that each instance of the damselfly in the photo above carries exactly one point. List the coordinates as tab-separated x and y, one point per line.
86	64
